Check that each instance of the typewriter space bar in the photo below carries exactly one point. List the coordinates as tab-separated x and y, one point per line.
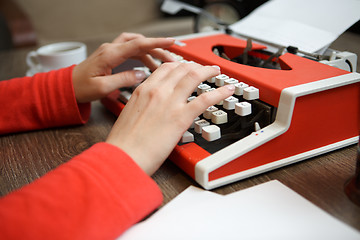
124	96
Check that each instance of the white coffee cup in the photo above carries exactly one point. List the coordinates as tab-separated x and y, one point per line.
55	56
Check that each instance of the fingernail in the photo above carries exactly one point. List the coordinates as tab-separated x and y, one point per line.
215	66
231	87
140	75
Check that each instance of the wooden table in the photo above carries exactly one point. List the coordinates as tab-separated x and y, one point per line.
27	156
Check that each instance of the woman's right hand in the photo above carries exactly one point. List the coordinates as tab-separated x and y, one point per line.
158	114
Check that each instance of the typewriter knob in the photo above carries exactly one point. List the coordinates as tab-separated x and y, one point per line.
223	10
228	11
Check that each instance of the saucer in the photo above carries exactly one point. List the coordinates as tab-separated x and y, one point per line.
31	72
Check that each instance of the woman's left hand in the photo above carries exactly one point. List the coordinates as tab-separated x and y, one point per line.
93	78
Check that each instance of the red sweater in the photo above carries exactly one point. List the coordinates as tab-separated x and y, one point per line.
96	195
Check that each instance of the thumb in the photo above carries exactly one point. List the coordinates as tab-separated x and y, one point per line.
126	78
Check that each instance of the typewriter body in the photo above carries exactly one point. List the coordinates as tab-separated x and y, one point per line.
304	107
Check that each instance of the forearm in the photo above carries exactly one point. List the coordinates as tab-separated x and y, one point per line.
96	195
42	101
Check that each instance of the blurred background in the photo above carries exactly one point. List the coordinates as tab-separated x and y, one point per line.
25	23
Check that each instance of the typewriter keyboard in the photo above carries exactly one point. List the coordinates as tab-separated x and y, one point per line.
227	121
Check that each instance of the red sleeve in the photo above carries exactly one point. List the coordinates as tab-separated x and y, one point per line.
96	195
42	101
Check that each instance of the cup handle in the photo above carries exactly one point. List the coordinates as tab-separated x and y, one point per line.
31	60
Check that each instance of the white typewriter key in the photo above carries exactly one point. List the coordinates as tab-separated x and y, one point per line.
210	89
190	98
202	88
187	137
124	96
229	103
220	103
219	117
192	126
211	80
219	79
177	57
243	108
200	124
196	89
251	93
209	111
231	81
146	70
211	133
239	88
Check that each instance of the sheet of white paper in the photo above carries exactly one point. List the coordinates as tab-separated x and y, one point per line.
190	197
266	211
309	25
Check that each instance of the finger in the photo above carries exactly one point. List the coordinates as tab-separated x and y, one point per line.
159	53
142	46
149	62
116	53
124	79
164	73
202	102
155	58
124	37
162	55
158	84
181	78
194	77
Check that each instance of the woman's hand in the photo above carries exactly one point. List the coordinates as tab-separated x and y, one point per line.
93	78
158	114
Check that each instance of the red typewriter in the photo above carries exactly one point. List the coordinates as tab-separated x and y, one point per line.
287	107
